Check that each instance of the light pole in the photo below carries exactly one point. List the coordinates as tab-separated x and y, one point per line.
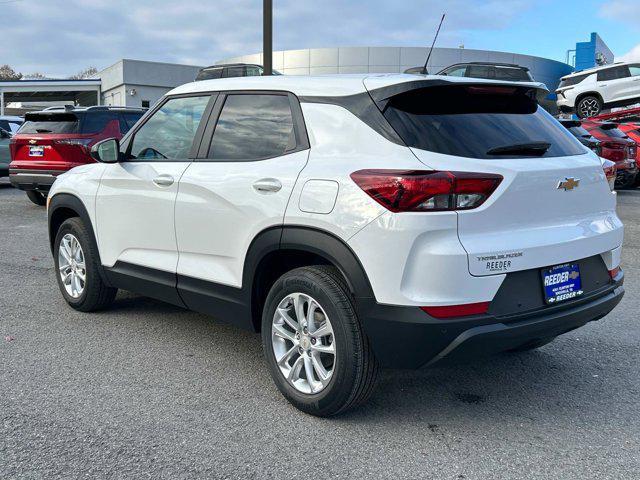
267	36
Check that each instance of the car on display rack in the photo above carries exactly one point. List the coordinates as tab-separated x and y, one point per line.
588	92
54	140
228	70
617	147
493	71
357	222
5	155
10	123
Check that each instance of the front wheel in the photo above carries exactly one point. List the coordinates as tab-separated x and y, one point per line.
37	197
317	353
76	260
588	107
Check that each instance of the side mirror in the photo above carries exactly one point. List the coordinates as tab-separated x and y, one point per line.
4	134
106	151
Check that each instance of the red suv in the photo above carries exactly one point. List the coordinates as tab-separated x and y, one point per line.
55	140
629	122
617	147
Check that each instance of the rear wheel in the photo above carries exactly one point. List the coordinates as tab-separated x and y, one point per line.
589	106
76	262
37	197
317	353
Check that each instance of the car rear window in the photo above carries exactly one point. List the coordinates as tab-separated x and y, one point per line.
50	123
95	122
571	81
474	121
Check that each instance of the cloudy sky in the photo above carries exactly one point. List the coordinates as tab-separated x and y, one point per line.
60	37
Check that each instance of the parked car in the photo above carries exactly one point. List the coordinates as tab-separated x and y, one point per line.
617	147
52	141
592	143
628	121
587	92
10	123
228	70
493	71
5	156
358	222
583	135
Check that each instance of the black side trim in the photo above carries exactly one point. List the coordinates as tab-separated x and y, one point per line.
363	107
145	281
334	250
63	206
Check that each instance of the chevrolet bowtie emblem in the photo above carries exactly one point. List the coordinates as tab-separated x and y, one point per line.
32	142
568	183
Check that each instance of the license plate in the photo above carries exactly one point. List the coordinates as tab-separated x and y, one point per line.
561	283
36	151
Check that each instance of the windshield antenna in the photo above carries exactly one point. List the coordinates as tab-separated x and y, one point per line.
424	69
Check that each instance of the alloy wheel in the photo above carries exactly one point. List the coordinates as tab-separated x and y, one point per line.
303	343
589	107
71	266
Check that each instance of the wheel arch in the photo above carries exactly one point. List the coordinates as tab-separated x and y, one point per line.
63	206
276	251
589	94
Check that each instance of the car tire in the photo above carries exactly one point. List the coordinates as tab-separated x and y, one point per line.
532	345
37	197
75	255
629	182
337	383
588	106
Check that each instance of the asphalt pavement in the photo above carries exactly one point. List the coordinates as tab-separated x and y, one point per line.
148	390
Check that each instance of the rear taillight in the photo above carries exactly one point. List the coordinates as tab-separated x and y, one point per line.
610	173
426	191
82	142
614	273
452	311
632	151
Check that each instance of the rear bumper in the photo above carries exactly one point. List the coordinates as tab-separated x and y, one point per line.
405	337
40	180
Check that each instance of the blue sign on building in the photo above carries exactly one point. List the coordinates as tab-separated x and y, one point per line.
592	53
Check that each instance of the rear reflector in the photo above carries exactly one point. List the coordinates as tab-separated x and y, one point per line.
451	311
426	191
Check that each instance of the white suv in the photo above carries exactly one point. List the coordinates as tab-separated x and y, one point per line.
358	222
587	92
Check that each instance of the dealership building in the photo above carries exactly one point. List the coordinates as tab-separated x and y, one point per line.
137	83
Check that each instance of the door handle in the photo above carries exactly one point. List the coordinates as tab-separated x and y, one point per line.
163	180
267	185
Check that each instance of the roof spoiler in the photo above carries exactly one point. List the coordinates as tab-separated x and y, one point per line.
382	95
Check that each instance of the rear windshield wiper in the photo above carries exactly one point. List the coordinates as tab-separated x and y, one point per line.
42	130
534	149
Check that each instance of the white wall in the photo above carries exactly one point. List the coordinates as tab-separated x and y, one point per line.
318	61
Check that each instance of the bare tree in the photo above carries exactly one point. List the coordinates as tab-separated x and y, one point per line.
86	73
8	73
34	76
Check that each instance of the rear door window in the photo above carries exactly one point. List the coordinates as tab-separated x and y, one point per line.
50	123
614	73
168	134
479	122
253	127
234	72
